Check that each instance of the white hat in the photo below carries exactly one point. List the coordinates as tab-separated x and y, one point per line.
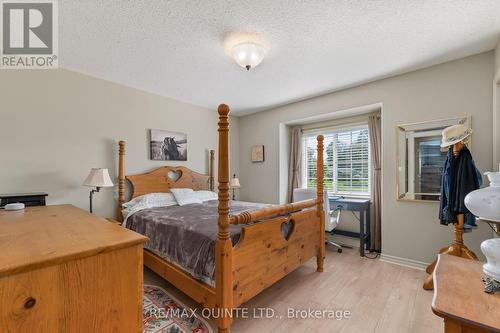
454	134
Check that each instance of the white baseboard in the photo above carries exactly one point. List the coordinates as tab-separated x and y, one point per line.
404	262
383	257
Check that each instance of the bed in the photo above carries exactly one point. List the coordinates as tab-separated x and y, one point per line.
253	246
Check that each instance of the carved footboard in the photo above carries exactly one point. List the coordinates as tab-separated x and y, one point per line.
265	254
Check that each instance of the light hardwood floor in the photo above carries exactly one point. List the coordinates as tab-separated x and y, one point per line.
381	297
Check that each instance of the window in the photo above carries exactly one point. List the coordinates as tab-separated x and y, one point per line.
346	160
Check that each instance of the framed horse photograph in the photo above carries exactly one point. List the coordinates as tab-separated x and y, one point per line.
168	146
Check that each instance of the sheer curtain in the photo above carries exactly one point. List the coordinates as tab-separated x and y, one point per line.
294	167
375	147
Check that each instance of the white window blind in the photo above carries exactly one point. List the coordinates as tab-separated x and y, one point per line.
346	160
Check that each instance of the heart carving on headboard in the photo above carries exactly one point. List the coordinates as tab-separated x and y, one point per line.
174	175
287	229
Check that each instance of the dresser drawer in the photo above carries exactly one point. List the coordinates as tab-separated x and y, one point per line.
100	293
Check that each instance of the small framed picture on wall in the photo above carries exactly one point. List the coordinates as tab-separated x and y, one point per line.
258	153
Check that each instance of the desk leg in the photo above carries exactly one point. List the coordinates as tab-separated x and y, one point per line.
362	233
368	227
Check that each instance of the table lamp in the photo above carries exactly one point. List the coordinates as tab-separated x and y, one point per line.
485	204
97	178
234	184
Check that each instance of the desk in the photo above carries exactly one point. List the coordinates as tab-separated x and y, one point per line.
459	297
356	205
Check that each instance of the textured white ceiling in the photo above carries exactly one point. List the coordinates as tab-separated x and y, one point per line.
176	48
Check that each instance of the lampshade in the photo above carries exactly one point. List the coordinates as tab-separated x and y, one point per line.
248	55
98	178
485	202
234	183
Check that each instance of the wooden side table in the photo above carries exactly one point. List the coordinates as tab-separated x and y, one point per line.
459	297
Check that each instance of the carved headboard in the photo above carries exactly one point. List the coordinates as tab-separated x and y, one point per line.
161	179
165	178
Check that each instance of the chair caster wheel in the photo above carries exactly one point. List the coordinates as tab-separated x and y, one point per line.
339	250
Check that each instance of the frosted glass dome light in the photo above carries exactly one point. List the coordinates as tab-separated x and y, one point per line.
248	55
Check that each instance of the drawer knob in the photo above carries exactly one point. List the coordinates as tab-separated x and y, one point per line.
29	303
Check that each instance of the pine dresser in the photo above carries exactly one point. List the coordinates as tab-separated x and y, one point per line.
459	297
63	269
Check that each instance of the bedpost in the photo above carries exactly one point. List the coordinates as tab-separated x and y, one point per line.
211	170
319	188
224	247
121	179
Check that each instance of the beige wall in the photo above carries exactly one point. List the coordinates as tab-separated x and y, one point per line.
409	230
56	124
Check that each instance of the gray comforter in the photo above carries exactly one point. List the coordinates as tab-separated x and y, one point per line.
186	235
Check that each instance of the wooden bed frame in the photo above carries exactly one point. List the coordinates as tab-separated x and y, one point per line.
262	255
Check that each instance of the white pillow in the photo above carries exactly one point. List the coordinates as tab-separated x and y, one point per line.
206	195
185	196
152	200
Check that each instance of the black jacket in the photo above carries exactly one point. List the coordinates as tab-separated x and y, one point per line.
460	177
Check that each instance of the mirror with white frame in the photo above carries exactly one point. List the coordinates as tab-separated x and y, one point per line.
420	159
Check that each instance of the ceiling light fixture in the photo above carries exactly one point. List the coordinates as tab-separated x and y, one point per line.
248	54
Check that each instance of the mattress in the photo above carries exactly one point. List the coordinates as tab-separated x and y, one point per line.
186	235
